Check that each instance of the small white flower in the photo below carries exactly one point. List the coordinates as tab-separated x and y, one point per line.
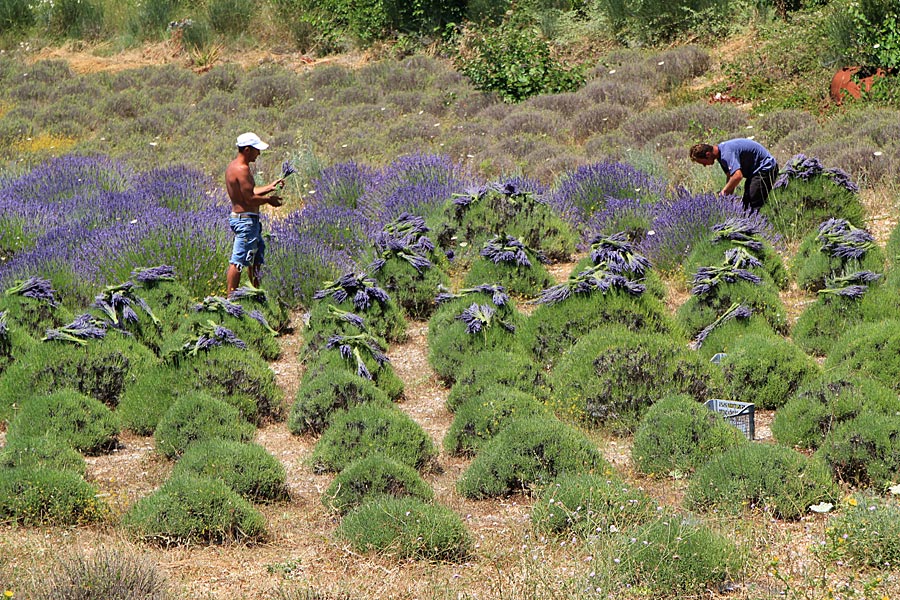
877	153
661	63
612	71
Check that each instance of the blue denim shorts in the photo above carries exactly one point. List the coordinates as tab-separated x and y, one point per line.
249	247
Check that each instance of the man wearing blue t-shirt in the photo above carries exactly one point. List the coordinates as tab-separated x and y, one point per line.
741	159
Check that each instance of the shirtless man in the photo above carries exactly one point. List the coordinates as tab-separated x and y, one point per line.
246	198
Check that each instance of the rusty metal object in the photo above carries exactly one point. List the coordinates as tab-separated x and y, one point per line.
843	83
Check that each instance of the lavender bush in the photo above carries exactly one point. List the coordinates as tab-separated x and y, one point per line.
836	247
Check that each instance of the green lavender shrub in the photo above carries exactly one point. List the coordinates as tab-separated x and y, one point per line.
406	528
194	510
257	337
679	434
107	573
479	418
824	321
613	375
170	302
101	369
373	476
320	397
590	504
365	429
382	375
514	371
710	252
381	313
864	451
519	280
451	339
727	335
820	405
813	264
766	370
675	554
414	290
38	496
552	329
44	452
528	453
866	532
34	316
247	468
274	312
199	417
763	300
770	478
872	349
14	342
85	424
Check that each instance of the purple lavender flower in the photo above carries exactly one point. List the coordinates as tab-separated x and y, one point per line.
358	286
735	311
476	317
804	168
220	305
740	230
260	318
506	249
84	327
118	301
249	292
355	346
209	335
287	169
597	278
618	253
151	274
34	288
840	239
733	268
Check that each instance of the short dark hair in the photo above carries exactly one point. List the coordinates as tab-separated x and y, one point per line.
701	151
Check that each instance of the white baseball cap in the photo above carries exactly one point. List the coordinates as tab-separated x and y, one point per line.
251	139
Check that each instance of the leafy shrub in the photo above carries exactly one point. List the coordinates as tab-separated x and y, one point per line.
108	573
373	476
45	452
514	371
451	339
766	370
807	194
513	62
246	468
230	17
815	260
366	429
872	349
613	375
414	290
256	336
763	476
100	369
712	252
589	504
479	418
864	451
382	375
85	424
34	315
528	452
188	510
552	329
866	532
522	276
836	396
79	19
320	397
727	335
706	309
360	294
824	321
676	555
16	15
406	528
678	434
36	496
199	417
865	34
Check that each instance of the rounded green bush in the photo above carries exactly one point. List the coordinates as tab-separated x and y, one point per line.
802	205
413	290
101	369
590	505
811	265
676	555
383	319
552	329
768	477
199	417
766	370
257	337
762	299
613	375
679	434
866	532
44	452
827	401
864	451
707	253
15	344
331	361
653	281
319	397
85	424
872	349
188	510
371	476
519	280
479	418
368	429
726	336
244	467
824	321
34	316
406	528
529	452
37	496
512	370
449	344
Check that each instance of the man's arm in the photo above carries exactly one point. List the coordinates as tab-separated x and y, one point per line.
256	195
732	183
